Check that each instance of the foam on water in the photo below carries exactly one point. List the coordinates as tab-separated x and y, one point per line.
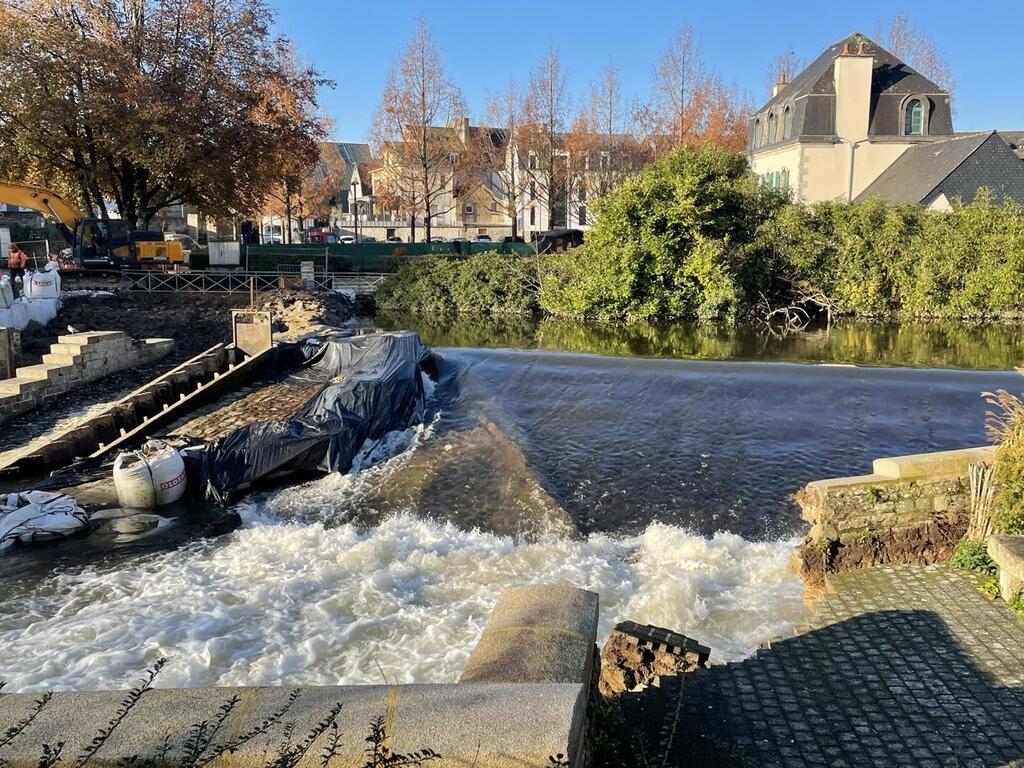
286	603
301	595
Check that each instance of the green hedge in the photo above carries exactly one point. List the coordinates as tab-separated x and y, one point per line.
487	283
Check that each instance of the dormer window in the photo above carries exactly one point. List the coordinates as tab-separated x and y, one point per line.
913	118
787	124
772	128
757	133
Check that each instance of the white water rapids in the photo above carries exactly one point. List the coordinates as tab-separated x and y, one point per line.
287	601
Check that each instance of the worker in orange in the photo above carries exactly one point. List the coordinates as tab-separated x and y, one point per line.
17	260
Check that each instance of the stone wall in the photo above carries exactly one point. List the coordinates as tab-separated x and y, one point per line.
910	509
76	360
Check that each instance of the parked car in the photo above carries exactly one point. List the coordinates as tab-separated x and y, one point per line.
510	239
437	239
346	239
484	239
394	239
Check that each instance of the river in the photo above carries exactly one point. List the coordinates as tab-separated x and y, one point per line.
654	466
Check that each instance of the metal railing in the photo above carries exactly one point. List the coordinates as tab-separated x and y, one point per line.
362	283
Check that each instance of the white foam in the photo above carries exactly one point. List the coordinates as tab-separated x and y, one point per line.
285	603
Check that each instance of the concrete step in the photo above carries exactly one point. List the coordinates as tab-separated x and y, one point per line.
54	358
41	372
20	386
67	349
92	337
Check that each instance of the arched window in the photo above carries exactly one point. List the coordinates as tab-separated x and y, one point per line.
757	134
787	123
772	127
913	118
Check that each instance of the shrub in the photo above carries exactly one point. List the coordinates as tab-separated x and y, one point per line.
676	241
1006	427
487	283
971	555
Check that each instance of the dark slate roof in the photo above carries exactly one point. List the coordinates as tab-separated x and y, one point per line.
924	171
811	94
1016	141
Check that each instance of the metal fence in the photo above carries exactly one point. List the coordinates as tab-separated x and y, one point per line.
361	283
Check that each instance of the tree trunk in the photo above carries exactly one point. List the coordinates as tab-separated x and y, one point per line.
412	228
287	216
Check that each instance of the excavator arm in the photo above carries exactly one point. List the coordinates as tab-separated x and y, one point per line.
48	203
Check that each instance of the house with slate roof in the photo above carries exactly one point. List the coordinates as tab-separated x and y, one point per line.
859	123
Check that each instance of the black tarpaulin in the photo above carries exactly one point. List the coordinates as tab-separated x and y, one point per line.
372	385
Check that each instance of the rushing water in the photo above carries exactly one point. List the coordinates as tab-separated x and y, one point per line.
663	484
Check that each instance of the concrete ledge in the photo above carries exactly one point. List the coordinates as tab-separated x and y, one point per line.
537	634
483	725
933	465
1008	554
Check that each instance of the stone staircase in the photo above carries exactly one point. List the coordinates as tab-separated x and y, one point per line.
75	360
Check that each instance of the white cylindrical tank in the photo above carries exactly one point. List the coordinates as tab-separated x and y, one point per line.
150	477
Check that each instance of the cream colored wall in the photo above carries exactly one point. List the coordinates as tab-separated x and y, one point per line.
785	158
872	158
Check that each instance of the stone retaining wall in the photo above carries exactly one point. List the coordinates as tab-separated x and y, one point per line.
910	509
76	359
522	701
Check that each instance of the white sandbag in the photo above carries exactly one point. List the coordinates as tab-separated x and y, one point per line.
24	312
42	285
37	516
150	477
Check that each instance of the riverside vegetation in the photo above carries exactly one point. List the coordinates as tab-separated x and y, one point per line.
696	236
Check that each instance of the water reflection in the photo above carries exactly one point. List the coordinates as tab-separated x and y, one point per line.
913	344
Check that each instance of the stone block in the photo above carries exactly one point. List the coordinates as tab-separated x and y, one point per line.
1008	554
483	725
537	634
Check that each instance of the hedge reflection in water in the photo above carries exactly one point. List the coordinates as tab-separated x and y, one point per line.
851	342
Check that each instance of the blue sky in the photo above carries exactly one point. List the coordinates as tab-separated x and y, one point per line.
483	44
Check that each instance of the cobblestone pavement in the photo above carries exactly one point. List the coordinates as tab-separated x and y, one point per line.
907	666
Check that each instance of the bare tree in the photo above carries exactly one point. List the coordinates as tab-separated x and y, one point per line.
784	68
907	42
542	136
505	111
603	139
415	132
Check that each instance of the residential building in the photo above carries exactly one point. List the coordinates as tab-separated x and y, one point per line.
858	122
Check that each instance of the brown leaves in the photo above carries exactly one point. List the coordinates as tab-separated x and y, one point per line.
146	102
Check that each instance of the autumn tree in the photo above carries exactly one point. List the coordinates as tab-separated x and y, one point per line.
415	132
689	105
505	111
305	191
540	149
146	103
909	43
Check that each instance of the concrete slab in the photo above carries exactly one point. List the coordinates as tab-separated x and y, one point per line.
537	634
1008	554
488	726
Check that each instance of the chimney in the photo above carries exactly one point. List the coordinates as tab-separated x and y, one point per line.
779	86
853	69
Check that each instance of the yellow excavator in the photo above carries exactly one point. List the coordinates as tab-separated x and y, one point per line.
95	243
